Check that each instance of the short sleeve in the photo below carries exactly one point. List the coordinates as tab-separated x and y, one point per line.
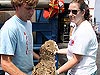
8	40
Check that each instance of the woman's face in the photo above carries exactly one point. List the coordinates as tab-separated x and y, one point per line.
75	14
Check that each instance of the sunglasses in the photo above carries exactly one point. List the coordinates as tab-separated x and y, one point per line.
73	11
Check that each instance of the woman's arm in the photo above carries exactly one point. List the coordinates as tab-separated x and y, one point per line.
62	51
68	65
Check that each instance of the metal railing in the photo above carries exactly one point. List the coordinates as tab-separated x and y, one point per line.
6	5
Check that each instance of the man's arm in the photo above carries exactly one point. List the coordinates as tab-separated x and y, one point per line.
9	67
36	56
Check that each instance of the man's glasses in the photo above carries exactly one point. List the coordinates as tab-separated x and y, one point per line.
73	11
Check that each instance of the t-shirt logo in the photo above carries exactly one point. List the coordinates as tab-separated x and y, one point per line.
28	44
71	42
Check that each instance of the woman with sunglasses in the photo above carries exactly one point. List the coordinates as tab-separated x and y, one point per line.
83	45
16	45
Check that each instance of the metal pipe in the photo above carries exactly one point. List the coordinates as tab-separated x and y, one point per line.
4	5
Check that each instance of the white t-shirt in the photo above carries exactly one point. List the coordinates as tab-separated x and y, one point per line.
83	42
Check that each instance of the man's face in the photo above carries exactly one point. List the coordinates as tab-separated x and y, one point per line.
25	12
